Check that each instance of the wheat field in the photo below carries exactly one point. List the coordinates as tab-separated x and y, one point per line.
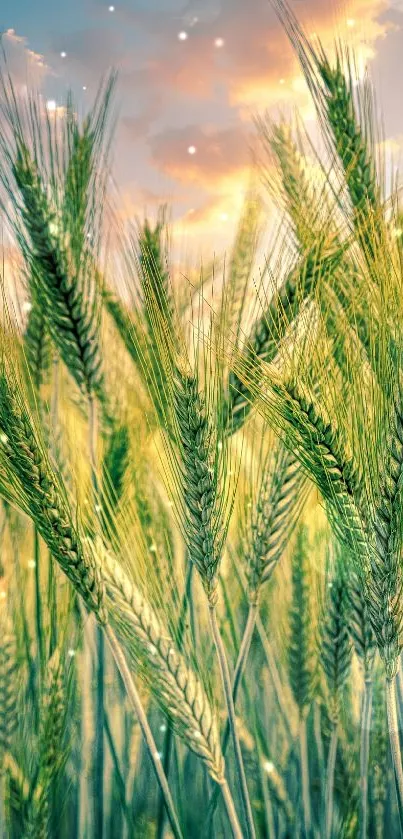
201	481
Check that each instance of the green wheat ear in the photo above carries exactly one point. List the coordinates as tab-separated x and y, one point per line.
360	624
76	188
8	686
386	580
301	648
339	114
238	271
38	348
345	297
52	751
154	273
200	479
28	479
270	329
280	499
71	318
351	145
335	646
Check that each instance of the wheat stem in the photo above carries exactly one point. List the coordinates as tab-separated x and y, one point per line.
275	677
119	776
317	727
38	604
306	792
231	812
244	649
241	664
99	757
366	716
52	583
393	725
238	673
3	808
331	764
152	750
227	690
169	737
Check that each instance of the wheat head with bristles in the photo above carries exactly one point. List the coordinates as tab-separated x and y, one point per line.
35	489
8	686
72	325
176	686
277	507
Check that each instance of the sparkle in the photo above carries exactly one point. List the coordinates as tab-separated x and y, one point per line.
31	563
282	81
224	216
111	8
183	36
71	653
163	727
153	549
191	149
51	105
84	87
98	508
27	306
350	22
219	42
3	595
63	54
268	767
3	438
158	756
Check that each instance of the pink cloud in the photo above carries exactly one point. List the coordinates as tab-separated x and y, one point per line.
217	153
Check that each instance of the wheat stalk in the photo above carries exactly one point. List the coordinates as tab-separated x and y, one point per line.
365	647
301	658
335	658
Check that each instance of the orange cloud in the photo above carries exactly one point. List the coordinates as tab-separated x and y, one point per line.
255	65
204	156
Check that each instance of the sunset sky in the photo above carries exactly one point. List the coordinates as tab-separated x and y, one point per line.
192	75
